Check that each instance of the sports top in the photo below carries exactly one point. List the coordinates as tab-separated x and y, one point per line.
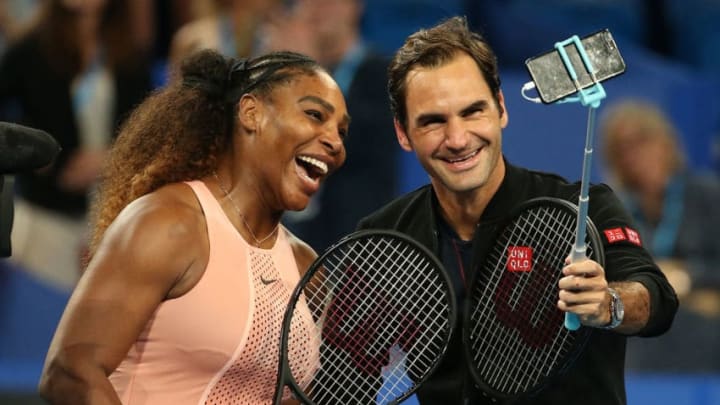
219	342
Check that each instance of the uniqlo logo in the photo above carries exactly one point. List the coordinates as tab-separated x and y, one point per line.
519	258
633	236
615	235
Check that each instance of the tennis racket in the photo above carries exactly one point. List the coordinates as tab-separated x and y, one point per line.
378	310
514	334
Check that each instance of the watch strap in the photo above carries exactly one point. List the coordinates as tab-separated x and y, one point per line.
615	302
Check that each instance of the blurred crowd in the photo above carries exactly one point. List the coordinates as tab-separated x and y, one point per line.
675	209
113	53
75	68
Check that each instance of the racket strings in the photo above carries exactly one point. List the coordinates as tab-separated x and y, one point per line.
383	316
369	302
521	231
517	338
422	282
365	302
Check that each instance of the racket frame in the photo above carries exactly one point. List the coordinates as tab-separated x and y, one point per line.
583	334
285	377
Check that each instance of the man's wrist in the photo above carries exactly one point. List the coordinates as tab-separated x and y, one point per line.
617	310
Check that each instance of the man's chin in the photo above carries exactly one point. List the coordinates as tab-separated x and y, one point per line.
461	186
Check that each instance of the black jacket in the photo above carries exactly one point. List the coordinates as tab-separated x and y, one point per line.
597	377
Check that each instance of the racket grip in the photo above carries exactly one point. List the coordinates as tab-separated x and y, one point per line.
572	322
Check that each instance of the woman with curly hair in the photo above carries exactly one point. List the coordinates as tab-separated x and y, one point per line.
189	268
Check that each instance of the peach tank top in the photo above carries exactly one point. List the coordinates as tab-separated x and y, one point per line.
219	343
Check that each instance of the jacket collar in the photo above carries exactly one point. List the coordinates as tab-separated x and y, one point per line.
512	189
425	229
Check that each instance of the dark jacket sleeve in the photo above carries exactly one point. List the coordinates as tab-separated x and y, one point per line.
627	260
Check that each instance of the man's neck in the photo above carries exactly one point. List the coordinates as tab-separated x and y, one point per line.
462	211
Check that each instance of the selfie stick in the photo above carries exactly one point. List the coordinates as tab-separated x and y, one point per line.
589	97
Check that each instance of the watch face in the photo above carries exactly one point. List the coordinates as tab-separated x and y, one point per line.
618	310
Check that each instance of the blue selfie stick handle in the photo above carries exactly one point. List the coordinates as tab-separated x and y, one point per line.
590	98
579	250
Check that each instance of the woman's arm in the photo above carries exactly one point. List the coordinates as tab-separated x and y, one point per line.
145	254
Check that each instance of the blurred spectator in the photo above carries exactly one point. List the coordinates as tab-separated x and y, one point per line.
168	17
14	15
74	74
329	31
229	26
678	218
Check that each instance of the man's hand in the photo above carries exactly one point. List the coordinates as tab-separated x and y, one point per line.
584	291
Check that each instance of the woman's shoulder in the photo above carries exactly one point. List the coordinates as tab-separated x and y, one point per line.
158	239
173	200
170	214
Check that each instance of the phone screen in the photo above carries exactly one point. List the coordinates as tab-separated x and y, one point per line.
551	77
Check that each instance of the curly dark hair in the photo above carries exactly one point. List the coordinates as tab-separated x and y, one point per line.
178	132
434	47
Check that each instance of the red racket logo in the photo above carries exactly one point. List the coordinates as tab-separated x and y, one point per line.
371	334
517	313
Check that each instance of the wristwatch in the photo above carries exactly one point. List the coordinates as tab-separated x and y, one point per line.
617	310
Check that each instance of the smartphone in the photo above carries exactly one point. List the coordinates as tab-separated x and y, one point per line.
552	79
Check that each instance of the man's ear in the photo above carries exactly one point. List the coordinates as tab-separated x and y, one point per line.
249	110
402	137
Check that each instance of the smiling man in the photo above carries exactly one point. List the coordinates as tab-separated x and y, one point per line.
449	110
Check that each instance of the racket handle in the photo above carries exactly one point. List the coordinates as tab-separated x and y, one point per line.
572	322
